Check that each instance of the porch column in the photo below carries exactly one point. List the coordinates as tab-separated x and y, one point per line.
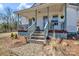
48	16
18	22
65	17
36	16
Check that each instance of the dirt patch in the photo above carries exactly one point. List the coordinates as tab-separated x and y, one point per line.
6	52
11	47
65	48
6	43
11	43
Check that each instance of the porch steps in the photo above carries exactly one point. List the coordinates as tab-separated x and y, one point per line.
37	41
37	37
38	34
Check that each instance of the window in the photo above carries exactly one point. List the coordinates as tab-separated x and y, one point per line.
54	20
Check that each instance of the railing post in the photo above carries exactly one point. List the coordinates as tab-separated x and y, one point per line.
31	30
46	31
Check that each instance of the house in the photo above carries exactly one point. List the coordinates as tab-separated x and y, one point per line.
54	19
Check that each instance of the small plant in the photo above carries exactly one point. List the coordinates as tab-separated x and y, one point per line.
12	35
53	43
15	36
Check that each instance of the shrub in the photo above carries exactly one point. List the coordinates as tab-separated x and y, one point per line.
12	35
15	36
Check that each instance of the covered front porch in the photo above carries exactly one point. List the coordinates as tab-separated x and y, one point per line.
48	18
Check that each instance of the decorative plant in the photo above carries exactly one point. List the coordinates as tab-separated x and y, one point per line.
53	43
12	35
15	36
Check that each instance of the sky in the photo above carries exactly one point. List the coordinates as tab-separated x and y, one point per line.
15	6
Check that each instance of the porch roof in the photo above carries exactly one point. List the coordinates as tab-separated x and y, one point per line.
22	12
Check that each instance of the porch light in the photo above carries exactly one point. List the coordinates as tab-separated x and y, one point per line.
62	17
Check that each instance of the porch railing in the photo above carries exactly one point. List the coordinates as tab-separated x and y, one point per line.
46	30
31	30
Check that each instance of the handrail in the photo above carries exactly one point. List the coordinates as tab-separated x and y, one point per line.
31	29
46	30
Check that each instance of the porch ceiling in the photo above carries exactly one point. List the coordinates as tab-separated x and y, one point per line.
31	11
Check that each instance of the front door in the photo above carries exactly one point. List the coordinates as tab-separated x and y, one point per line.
45	20
31	21
54	22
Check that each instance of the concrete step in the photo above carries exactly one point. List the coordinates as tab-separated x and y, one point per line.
39	31
37	41
37	37
38	34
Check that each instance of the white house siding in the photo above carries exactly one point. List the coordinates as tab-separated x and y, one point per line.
71	19
52	11
78	22
40	22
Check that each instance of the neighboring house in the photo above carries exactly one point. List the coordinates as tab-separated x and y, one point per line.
52	18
